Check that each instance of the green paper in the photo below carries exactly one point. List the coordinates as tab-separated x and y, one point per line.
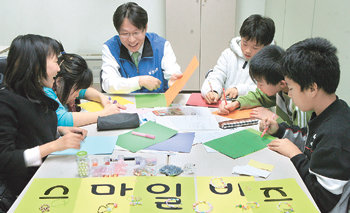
240	143
135	143
57	199
150	100
257	191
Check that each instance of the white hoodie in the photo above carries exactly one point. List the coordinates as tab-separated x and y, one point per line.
229	72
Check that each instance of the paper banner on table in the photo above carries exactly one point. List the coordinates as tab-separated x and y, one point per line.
154	192
150	100
196	99
92	106
135	143
59	193
225	199
269	194
93	145
259	165
181	142
97	192
240	143
172	92
237	114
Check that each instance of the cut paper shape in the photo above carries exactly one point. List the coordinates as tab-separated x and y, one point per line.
181	142
259	165
150	100
92	106
196	99
135	143
251	171
93	145
172	92
237	114
240	143
269	194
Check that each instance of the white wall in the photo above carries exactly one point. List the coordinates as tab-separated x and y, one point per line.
245	8
81	25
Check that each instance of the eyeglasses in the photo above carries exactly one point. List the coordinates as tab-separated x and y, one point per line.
136	34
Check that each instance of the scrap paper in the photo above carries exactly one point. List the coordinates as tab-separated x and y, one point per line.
259	165
196	99
154	192
181	142
92	106
225	199
251	171
135	143
240	143
189	122
172	92
93	145
237	114
273	193
150	100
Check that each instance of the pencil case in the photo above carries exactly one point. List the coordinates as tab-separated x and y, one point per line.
230	124
118	121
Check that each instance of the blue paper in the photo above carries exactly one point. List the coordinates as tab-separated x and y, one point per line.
93	145
181	142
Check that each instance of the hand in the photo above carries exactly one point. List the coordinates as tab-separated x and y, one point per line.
212	97
69	141
149	82
111	109
104	100
269	123
231	92
64	130
225	109
284	147
261	113
173	78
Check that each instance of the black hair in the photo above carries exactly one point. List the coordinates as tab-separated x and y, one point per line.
258	28
267	64
74	74
26	66
313	60
132	11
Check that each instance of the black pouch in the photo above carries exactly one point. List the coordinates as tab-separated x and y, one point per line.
118	121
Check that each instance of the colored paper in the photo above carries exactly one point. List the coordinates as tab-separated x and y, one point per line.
240	143
196	99
92	106
59	193
93	145
259	165
251	171
237	114
269	194
135	143
150	100
181	142
224	199
154	191
172	92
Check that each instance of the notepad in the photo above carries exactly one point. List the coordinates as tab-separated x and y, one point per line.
230	124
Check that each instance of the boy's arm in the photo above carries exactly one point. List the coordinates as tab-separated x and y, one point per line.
294	133
257	98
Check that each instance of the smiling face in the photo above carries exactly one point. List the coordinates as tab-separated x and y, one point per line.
52	68
250	48
130	36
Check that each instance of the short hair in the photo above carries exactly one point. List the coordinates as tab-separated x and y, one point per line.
313	60
74	74
133	12
267	64
258	28
26	66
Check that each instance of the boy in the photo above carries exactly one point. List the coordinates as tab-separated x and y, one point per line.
135	60
266	70
232	69
312	73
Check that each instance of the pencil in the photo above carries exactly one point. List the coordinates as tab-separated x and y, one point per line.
265	130
211	88
223	93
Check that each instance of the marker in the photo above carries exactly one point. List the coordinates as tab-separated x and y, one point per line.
265	130
110	100
223	93
143	135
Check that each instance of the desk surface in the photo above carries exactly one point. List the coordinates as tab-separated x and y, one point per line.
206	164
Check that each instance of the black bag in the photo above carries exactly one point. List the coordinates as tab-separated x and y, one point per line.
118	121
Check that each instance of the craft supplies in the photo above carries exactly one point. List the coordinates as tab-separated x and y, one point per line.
230	124
135	201
214	180
285	207
177	205
170	170
196	205
44	208
107	208
83	164
249	205
143	135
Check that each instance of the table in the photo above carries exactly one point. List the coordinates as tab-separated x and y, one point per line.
206	164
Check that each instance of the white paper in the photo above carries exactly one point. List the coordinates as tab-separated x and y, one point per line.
250	170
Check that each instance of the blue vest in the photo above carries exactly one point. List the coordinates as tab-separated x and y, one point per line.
149	64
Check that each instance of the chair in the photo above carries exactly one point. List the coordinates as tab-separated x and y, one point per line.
101	82
343	204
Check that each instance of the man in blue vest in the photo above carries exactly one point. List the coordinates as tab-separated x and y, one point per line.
134	60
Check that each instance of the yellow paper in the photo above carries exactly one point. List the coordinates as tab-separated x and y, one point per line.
92	106
260	165
220	201
172	92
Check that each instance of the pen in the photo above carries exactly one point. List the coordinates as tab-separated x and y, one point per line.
223	93
211	88
143	135
265	130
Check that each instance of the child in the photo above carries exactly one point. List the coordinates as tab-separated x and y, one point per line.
72	81
136	61
28	122
321	152
232	69
266	70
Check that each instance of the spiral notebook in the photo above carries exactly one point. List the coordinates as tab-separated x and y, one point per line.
230	124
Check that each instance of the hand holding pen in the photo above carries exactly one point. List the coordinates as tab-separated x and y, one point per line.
268	125
212	96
